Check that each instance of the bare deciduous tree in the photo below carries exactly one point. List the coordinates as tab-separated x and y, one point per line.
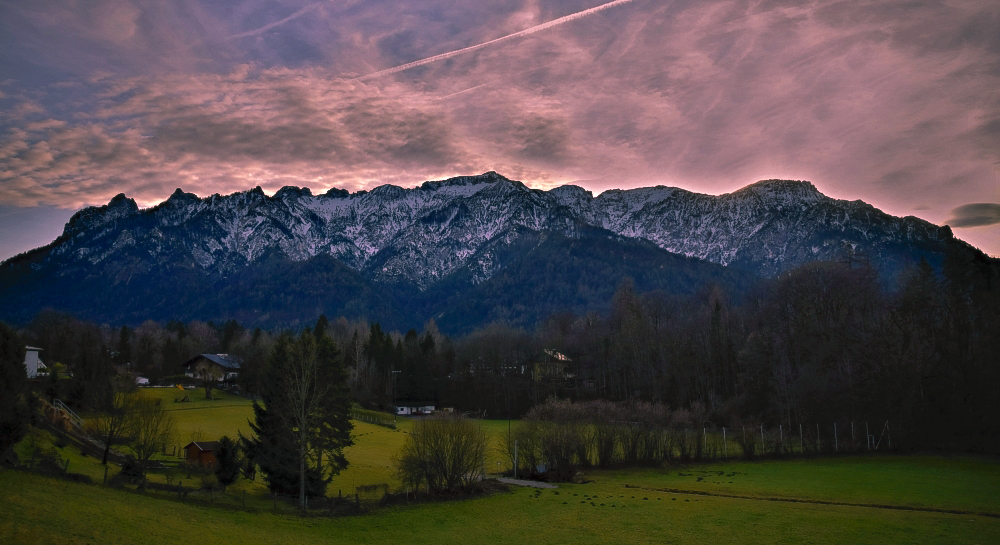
446	453
113	423
151	429
209	375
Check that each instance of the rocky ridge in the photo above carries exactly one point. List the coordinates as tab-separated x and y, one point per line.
423	234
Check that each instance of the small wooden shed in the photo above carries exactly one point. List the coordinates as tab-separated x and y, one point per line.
201	453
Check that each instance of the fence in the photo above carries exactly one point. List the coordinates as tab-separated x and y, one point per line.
623	444
373	417
751	441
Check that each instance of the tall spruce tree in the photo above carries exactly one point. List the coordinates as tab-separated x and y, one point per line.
14	407
302	424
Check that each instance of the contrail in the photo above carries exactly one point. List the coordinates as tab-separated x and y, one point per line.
269	26
463	91
525	32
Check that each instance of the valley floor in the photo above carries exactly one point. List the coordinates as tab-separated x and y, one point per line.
870	499
624	506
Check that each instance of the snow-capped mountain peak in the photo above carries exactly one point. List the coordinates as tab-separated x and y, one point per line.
419	235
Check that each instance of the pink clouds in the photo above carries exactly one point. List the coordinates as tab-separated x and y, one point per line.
894	104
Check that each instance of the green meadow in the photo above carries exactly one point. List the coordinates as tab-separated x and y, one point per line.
39	509
371	457
888	499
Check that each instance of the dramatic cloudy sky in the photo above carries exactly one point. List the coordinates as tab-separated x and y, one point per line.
896	103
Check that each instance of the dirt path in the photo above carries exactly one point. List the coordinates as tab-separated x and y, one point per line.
523	482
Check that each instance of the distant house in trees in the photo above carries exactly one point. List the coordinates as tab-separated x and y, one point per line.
413	409
201	453
553	366
224	366
480	366
31	361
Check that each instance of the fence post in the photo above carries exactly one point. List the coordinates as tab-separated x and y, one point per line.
817	438
725	446
868	436
763	450
801	449
781	437
835	437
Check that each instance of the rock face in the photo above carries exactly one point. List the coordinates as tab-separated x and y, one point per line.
401	243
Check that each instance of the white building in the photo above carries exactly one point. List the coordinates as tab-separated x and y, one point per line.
31	362
414	409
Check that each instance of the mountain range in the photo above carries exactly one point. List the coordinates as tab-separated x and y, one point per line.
464	251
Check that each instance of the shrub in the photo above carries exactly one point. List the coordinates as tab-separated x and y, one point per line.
748	440
230	461
132	471
447	454
209	481
79	477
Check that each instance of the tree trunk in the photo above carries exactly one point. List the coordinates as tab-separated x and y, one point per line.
107	448
302	466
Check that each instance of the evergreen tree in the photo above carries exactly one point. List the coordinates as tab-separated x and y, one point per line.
230	332
123	350
227	452
14	410
321	326
303	423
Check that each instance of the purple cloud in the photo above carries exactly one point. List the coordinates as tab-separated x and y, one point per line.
975	215
896	104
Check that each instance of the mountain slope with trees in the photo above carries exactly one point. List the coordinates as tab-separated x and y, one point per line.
399	253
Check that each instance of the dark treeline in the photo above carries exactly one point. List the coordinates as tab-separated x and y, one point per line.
823	343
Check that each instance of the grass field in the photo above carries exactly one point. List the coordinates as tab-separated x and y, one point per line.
620	506
38	509
371	458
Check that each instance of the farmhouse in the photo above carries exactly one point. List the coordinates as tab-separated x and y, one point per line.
31	362
553	366
223	366
201	453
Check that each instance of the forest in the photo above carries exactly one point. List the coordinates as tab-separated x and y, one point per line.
826	342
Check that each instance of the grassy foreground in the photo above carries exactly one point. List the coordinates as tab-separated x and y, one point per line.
39	509
622	506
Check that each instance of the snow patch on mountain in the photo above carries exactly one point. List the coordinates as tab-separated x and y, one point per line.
421	235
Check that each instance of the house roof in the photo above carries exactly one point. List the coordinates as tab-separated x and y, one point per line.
203	446
556	355
223	360
32	348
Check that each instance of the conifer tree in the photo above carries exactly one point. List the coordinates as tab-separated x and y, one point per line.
302	424
14	414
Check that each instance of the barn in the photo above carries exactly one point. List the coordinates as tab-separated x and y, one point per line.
201	453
